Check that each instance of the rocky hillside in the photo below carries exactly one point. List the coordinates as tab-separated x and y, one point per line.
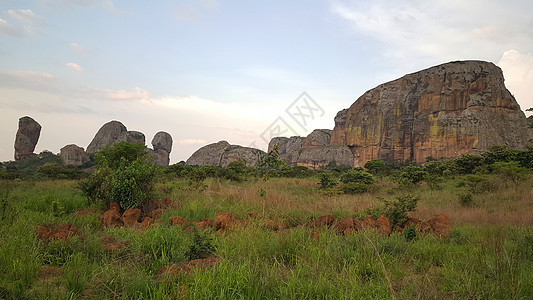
444	111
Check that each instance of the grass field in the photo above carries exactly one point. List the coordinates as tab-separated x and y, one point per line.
487	255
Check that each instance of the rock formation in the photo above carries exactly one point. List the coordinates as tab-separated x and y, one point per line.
313	151
222	154
73	156
444	111
162	146
107	135
27	136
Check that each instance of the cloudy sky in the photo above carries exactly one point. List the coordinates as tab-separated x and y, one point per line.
208	70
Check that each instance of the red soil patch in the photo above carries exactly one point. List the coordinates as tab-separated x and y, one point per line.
188	267
62	231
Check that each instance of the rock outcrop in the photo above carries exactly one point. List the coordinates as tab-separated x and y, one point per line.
444	111
108	134
73	156
162	146
313	151
27	136
222	154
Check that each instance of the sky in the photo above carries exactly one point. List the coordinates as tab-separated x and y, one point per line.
240	71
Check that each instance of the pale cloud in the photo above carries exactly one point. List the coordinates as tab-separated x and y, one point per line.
79	48
518	70
135	94
61	4
26	23
26	80
422	32
191	142
25	15
211	4
75	66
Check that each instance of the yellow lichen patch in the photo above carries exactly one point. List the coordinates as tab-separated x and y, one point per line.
435	130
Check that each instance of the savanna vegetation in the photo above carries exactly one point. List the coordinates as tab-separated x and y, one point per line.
488	254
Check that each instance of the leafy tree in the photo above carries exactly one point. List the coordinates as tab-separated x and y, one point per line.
412	174
376	166
510	170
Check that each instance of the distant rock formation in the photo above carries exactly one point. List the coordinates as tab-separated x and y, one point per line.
162	146
441	112
27	137
222	154
108	134
313	151
73	156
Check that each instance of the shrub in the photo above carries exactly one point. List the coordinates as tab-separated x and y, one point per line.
397	210
510	170
327	181
56	171
355	188
410	233
412	175
357	176
477	184
122	175
201	247
466	199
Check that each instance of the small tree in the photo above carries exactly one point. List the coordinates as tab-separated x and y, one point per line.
510	170
375	166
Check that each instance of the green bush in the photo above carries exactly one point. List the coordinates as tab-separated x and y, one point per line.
202	246
123	175
410	233
397	210
357	176
412	175
355	188
466	199
327	181
477	184
376	166
510	170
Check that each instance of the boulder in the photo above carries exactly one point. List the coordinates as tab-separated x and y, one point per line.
222	154
26	138
384	224
73	156
250	156
441	112
327	220
208	155
108	134
162	141
134	137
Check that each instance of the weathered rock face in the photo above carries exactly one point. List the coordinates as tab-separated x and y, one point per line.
134	137
160	157
163	141
27	136
222	154
317	138
317	157
289	148
107	135
313	151
444	111
73	156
